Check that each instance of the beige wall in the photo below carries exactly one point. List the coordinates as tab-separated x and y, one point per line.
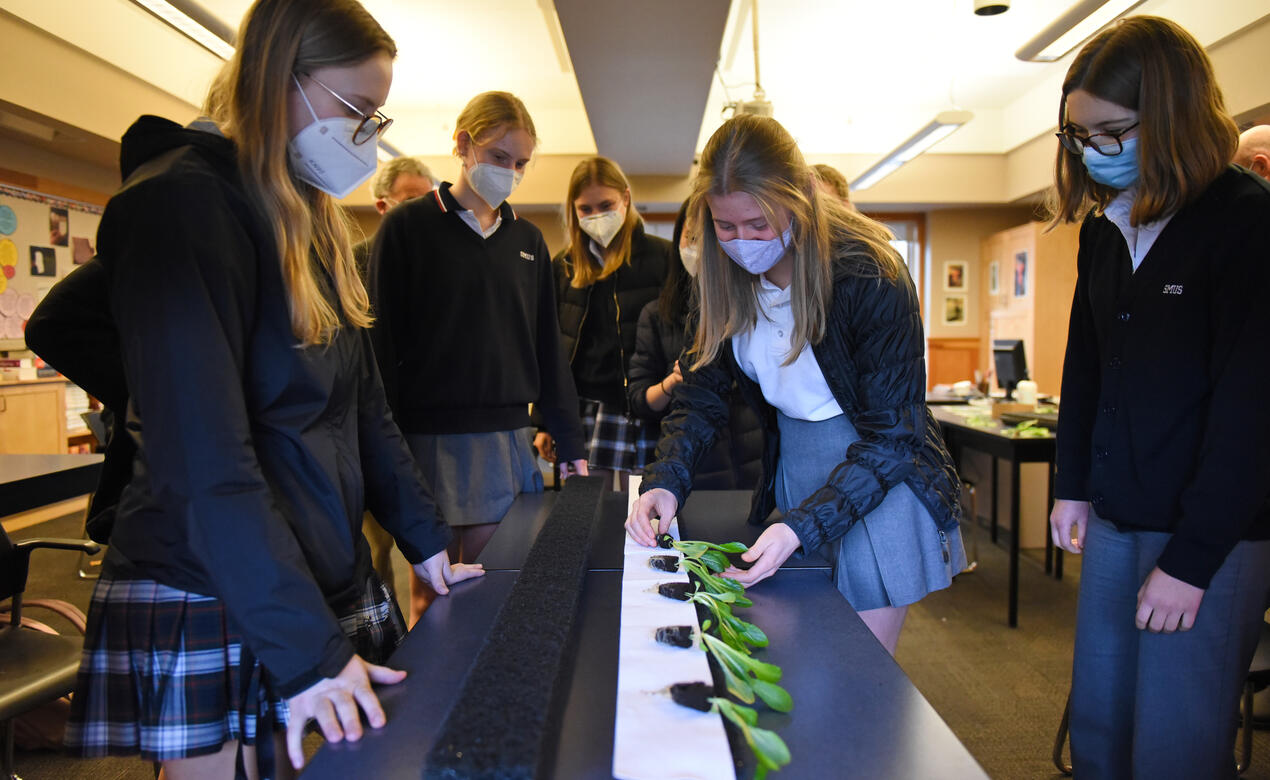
954	235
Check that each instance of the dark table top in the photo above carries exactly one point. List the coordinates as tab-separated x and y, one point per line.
708	516
993	438
31	481
854	707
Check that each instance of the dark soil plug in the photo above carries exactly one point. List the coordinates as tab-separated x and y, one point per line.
664	562
678	636
695	694
675	590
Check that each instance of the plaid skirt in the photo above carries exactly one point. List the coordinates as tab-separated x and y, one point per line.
164	675
618	442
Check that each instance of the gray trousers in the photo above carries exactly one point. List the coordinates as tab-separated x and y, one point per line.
1159	706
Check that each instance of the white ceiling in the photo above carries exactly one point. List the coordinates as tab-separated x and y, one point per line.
845	76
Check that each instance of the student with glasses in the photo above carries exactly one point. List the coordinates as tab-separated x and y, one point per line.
237	595
1162	455
466	335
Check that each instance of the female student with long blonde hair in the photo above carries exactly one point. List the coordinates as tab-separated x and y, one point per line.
467	337
611	268
237	593
1162	454
807	307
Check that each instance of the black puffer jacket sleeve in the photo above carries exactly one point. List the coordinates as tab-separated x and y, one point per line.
698	411
878	323
649	363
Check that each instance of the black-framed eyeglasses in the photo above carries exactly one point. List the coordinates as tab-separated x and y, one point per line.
1108	144
372	125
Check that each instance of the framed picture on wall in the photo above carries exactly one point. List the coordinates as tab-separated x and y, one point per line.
994	278
954	310
1020	275
954	275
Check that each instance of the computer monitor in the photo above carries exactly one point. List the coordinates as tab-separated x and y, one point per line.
1011	364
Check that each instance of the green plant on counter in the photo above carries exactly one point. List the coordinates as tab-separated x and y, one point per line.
714	556
713	583
770	751
747	677
1028	429
730	628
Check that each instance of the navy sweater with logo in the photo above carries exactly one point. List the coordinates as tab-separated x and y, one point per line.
465	333
1164	424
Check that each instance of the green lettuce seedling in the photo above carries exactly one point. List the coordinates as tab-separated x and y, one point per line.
731	629
770	751
747	677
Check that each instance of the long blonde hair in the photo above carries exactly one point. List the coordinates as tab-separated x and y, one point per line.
248	101
582	271
491	115
757	156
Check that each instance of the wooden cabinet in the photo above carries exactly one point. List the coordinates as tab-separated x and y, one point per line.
33	417
1035	277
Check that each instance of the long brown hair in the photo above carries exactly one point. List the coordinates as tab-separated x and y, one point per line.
1185	137
583	272
248	101
756	155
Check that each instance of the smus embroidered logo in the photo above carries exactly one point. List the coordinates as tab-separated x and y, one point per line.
1172	289
527	256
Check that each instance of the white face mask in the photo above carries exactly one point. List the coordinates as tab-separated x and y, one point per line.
323	153
757	255
691	256
603	227
493	183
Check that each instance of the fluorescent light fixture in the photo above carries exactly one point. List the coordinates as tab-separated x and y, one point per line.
386	151
1073	28
552	18
939	128
194	23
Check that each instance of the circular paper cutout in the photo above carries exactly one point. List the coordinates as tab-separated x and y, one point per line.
8	221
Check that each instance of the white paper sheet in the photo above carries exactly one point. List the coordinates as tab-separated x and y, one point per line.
655	738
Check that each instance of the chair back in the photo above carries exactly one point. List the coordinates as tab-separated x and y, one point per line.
13	568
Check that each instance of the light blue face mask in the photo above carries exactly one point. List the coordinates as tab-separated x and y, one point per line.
1120	171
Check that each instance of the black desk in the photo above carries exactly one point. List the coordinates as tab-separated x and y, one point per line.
32	481
854	708
993	441
708	515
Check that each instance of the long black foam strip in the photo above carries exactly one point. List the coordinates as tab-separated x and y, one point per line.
506	721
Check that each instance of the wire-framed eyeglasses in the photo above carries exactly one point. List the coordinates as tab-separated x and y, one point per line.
1108	144
372	125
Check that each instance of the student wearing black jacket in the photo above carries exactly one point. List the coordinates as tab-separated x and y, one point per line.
807	308
606	275
237	577
736	459
1162	454
466	334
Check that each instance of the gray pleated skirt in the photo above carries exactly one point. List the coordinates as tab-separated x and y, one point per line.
475	477
895	555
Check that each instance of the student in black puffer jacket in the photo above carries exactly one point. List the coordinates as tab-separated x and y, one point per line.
610	270
806	306
736	460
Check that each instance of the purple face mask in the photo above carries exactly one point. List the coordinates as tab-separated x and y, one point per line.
758	255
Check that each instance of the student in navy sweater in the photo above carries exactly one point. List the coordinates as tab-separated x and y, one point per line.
466	333
1162	455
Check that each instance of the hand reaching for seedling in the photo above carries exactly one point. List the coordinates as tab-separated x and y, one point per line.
772	548
651	515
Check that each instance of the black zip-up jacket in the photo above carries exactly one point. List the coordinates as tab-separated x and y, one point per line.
872	356
465	333
1164	424
255	457
632	286
735	462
